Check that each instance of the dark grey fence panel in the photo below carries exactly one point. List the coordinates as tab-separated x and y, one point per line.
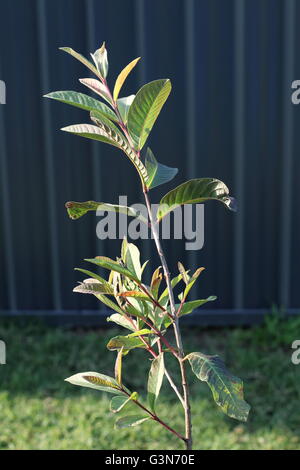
229	116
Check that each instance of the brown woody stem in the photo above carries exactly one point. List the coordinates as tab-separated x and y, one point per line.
187	407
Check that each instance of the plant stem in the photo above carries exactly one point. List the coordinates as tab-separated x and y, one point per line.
187	407
156	418
153	353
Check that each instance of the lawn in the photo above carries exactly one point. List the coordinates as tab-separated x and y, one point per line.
40	411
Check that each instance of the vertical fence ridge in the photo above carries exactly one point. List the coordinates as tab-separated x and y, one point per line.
90	27
141	39
6	211
95	146
239	151
140	16
287	154
49	154
190	112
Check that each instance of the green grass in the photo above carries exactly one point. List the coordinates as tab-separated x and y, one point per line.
39	410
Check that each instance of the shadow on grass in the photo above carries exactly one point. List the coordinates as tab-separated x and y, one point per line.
39	358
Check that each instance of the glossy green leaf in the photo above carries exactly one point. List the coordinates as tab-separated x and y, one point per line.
78	209
108	263
116	136
158	174
183	273
100	59
133	262
135	294
165	295
195	191
188	307
118	367
109	303
227	389
97	87
143	332
95	380
90	132
104	133
124	105
125	342
119	401
155	282
145	109
81	59
93	286
124	249
155	380
121	320
192	281
130	421
105	124
91	274
80	100
122	77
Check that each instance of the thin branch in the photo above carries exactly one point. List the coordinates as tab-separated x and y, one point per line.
155	417
187	408
153	353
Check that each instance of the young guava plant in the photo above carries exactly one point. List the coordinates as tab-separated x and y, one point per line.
146	311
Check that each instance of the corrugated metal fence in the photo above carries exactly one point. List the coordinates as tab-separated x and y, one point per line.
229	116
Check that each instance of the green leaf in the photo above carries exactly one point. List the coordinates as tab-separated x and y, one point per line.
108	263
157	173
81	59
165	295
107	125
104	133
122	77
188	307
135	309
227	389
135	294
124	249
133	260
78	209
101	62
118	367
91	274
130	421
143	332
155	282
195	191
155	380
97	87
95	380
145	109
192	281
183	273
115	135
91	132
125	342
121	320
109	303
119	401
93	286
80	100
124	105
